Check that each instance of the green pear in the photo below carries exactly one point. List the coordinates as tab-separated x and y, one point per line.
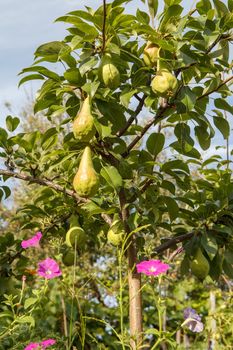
164	83
116	233
83	126
151	54
76	235
108	72
199	265
86	181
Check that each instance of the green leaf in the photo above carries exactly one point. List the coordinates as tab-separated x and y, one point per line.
112	176
153	7
42	70
168	185
30	77
203	137
142	17
187	98
155	143
172	207
220	7
170	13
182	132
7	191
49	138
203	6
228	255
3	137
227	268
29	302
222	104
230	5
223	126
12	122
210	245
175	165
7	314
50	51
126	96
193	153
82	14
26	319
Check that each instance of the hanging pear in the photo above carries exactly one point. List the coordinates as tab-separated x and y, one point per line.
108	72
116	233
164	83
76	236
86	181
199	265
151	54
83	126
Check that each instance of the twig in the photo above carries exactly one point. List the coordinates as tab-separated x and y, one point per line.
133	117
50	184
43	182
216	89
104	25
157	118
210	48
172	242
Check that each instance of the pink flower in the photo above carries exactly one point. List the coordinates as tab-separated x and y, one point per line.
32	242
49	268
32	346
152	267
42	345
47	343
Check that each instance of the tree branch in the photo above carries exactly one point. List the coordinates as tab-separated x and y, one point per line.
43	182
157	118
216	89
172	242
208	50
133	117
104	25
50	184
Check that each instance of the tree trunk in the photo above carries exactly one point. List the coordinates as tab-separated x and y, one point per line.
135	303
134	281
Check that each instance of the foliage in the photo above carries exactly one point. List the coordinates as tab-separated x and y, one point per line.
168	206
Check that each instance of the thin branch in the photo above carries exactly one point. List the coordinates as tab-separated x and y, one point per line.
50	184
216	89
208	50
133	117
104	25
43	182
157	118
172	242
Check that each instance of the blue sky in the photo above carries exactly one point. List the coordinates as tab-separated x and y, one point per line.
24	25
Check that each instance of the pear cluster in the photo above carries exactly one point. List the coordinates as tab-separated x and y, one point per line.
164	84
86	180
